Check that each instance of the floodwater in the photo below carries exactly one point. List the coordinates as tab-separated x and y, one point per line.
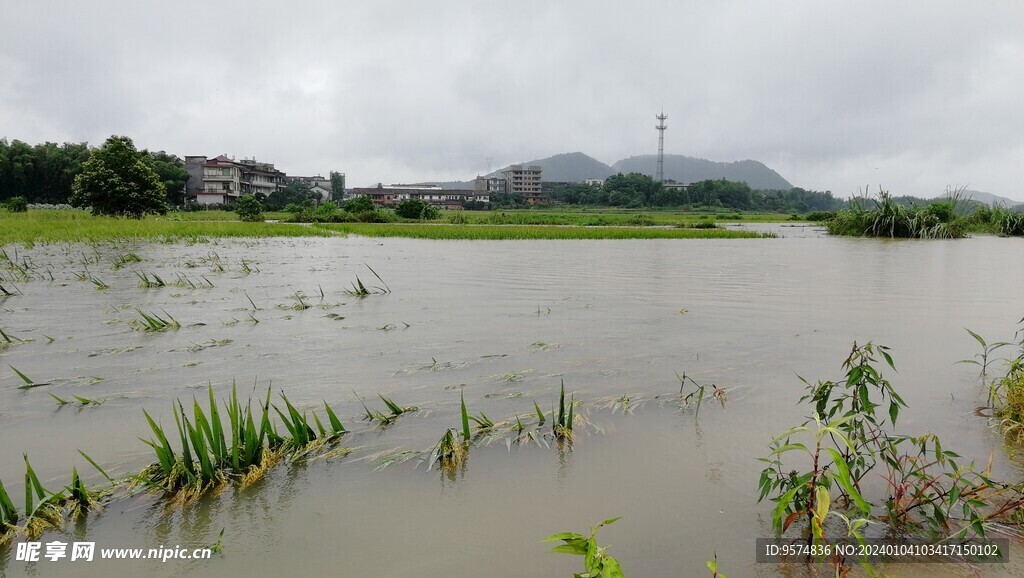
505	323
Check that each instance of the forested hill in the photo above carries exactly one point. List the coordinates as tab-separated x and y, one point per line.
577	167
685	169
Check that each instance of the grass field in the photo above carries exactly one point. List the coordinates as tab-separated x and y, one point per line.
80	226
518	232
71	226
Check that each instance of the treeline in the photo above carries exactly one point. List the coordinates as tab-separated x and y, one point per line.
43	173
635	190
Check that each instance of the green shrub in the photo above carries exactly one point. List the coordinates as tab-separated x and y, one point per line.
249	209
360	205
416	209
17	205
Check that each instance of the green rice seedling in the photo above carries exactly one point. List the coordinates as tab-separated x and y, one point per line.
360	290
145	282
396	410
9	516
248	269
482	421
540	414
126	258
251	302
29	383
300	303
562	427
374	415
465	419
100	285
153	322
80	499
7	338
43	508
449	452
596	561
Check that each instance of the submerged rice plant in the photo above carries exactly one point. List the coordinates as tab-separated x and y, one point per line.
146	282
360	290
153	322
126	258
562	426
211	455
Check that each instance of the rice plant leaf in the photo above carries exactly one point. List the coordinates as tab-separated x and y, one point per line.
28	381
540	414
95	465
465	418
335	422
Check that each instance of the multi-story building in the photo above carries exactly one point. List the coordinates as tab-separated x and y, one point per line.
524	181
221	180
489	185
392	195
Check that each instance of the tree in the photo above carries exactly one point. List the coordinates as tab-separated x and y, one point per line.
293	193
361	204
119	180
249	209
416	209
337	186
171	171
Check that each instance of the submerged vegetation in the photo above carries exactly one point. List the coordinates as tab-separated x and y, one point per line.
1005	386
596	561
929	491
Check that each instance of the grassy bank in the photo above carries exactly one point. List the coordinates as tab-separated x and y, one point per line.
73	226
518	232
602	217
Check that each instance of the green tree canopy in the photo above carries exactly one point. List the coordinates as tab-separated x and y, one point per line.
119	180
171	171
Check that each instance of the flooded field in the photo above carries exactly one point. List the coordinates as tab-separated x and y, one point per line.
504	324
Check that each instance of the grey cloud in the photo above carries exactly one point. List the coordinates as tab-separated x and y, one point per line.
832	95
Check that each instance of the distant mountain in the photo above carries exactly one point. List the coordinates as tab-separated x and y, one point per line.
576	167
572	168
689	170
987	198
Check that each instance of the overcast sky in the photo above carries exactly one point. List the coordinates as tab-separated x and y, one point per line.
836	95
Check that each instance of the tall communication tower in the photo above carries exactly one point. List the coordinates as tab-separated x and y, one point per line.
661	146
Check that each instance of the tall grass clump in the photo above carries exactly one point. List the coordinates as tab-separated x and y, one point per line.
884	217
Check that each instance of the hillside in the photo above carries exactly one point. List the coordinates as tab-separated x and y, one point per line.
575	167
688	170
987	198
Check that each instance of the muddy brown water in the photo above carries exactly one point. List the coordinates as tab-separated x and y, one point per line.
505	322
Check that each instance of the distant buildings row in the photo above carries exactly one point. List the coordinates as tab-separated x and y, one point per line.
222	180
